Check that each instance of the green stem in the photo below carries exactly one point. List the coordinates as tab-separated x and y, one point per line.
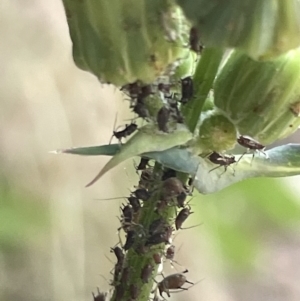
203	79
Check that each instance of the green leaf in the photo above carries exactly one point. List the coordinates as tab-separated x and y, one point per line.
282	161
148	139
104	150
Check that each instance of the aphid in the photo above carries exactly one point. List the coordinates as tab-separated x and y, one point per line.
187	89
160	237
141	110
134	291
181	199
100	296
146	272
173	282
135	203
181	217
170	252
168	173
221	160
157	258
129	129
146	178
119	254
194	40
172	187
120	290
125	275
127	214
143	163
130	238
142	194
163	88
133	89
156	226
162	119
250	144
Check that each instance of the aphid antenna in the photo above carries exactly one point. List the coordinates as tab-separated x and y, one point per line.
114	128
109	199
191	226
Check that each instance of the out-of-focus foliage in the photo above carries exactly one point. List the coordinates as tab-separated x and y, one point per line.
241	217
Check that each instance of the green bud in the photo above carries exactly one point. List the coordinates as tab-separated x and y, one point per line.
216	133
125	41
261	98
261	28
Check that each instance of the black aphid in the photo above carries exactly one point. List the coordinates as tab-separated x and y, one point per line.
142	194
100	296
129	129
143	163
162	119
160	237
187	89
194	40
130	239
135	203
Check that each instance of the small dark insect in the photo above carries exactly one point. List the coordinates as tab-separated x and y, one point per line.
127	214
170	252
119	254
250	144
141	110
142	194
130	238
168	173
134	291
181	199
221	160
143	164
100	296
174	281
187	89
160	237
129	129
157	226
146	178
125	275
172	187
157	258
195	44
164	88
181	217
120	290
133	89
162	119
146	272
135	203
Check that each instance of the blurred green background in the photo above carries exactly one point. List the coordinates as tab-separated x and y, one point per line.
55	236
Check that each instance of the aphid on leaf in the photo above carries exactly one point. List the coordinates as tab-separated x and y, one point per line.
250	144
119	254
163	236
173	282
221	160
129	129
187	89
157	258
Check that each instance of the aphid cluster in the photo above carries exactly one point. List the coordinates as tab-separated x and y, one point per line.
169	113
155	238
